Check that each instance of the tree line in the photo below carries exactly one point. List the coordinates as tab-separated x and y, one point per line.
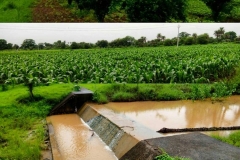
128	41
153	10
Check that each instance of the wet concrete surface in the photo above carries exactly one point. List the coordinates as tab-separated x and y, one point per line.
118	131
196	146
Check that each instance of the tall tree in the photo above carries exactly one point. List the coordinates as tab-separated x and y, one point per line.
203	38
40	45
216	6
100	7
143	39
159	36
184	35
230	35
194	35
102	43
163	38
28	44
155	10
74	45
3	44
219	33
15	46
9	46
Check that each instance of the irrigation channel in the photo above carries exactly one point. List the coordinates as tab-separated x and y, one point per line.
127	130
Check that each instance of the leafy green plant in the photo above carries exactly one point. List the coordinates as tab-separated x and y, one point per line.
165	156
233	138
155	10
76	88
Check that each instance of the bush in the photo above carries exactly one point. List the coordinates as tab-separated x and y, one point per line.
155	10
123	96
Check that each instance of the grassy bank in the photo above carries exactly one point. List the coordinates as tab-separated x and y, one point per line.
233	138
22	125
160	92
22	120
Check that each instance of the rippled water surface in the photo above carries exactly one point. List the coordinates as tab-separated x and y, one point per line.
181	114
76	141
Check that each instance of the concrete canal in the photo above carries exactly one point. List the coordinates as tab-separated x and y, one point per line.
127	130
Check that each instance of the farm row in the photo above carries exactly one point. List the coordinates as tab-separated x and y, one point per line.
194	64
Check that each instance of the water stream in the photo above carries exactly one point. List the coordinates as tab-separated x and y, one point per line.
75	140
181	114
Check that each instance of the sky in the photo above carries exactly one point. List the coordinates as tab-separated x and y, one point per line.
16	33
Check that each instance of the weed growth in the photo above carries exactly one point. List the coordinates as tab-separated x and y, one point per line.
165	156
233	138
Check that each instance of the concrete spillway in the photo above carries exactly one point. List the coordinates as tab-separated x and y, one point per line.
118	132
125	138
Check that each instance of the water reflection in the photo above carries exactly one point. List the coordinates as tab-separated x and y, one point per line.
181	114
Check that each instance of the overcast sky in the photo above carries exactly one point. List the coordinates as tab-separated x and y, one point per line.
92	32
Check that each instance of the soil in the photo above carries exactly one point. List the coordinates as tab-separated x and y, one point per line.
52	11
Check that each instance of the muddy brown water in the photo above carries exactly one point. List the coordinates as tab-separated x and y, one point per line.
75	140
181	114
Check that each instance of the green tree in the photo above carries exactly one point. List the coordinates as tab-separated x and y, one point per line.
163	38
40	45
155	10
3	44
194	35
184	35
15	46
168	42
74	45
9	46
48	45
189	41
28	44
219	33
216	6
159	36
102	43
123	42
141	41
100	7
203	39
69	2
231	35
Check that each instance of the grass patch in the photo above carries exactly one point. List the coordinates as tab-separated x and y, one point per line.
121	96
233	138
165	156
159	92
16	11
22	120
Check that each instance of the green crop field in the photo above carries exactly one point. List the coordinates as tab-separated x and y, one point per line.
185	69
194	64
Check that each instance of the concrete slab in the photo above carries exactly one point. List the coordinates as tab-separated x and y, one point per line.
196	146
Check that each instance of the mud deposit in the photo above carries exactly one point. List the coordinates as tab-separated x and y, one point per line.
181	114
72	139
